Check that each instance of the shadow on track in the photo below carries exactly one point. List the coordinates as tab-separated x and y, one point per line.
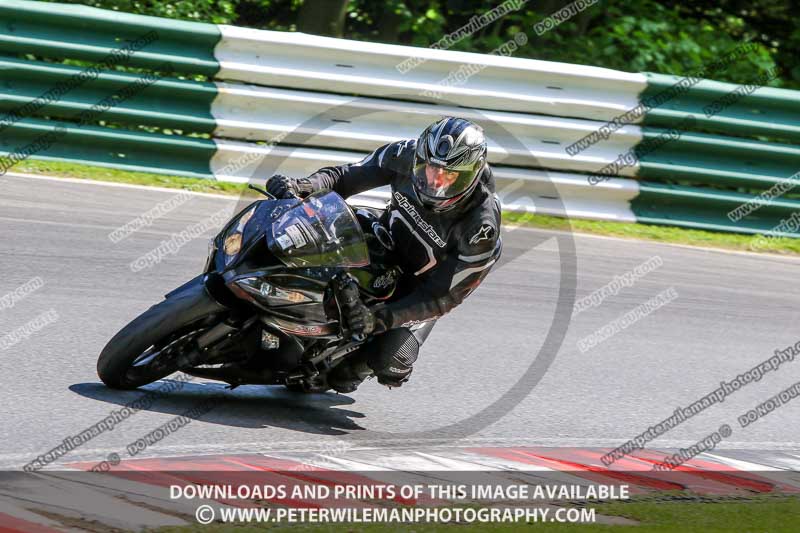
248	406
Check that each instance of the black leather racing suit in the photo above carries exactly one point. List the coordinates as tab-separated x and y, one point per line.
448	253
444	255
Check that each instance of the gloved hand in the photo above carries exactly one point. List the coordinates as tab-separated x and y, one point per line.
369	320
360	319
282	187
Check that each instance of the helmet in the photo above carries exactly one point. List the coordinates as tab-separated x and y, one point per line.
449	159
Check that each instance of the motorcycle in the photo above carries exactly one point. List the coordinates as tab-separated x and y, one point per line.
267	308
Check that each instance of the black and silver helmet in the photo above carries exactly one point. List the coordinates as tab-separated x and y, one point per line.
450	157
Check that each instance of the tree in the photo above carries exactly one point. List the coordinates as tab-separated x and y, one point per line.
322	17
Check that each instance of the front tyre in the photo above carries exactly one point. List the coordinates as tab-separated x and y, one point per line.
148	348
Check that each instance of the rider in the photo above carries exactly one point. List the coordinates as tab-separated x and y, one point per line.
444	219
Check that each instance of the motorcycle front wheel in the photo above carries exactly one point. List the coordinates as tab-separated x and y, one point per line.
148	348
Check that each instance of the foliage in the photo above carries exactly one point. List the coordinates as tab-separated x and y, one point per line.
667	36
651	36
215	11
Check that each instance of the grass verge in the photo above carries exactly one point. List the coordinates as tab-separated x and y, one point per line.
666	234
72	170
647	232
773	514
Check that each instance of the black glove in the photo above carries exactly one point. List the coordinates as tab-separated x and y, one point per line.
368	321
281	187
360	319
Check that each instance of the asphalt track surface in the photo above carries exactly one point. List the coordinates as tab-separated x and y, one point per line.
733	310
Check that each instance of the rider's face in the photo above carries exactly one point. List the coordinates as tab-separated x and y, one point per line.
439	178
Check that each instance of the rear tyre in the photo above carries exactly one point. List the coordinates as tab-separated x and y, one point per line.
148	348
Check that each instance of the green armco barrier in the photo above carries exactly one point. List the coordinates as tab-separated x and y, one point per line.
692	207
767	111
166	102
728	153
80	32
109	147
725	161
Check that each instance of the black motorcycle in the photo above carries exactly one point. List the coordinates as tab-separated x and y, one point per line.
268	307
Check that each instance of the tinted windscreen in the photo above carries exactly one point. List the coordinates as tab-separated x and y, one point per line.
319	231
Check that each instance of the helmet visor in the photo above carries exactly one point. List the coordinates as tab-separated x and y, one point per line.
439	183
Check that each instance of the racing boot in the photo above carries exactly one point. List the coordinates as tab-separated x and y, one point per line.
350	373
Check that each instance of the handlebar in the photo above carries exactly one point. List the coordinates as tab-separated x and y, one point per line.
260	190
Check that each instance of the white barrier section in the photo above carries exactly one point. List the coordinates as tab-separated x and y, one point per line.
536	191
321	101
302	61
565	194
306	118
